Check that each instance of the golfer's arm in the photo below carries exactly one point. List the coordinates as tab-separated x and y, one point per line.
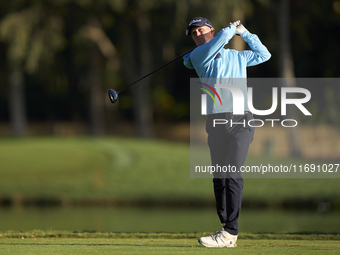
187	61
206	53
259	52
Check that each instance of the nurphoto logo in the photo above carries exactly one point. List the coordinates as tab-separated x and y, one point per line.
238	104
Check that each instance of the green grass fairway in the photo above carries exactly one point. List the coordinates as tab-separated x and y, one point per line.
109	171
106	243
123	169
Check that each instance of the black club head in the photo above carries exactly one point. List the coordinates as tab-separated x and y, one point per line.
113	95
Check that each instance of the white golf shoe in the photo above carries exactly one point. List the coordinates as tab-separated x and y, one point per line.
219	239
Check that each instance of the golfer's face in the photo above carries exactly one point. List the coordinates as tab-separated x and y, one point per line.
202	35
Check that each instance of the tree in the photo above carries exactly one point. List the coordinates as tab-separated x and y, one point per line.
36	32
32	37
103	51
138	62
286	69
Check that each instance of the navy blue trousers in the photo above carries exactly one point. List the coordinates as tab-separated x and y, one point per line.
229	144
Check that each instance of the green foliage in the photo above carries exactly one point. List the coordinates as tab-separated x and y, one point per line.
34	37
47	38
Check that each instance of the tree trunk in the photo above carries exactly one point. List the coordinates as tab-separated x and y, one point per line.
97	126
17	106
286	66
104	53
141	93
137	63
286	61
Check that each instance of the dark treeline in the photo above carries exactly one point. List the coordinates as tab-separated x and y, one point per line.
59	57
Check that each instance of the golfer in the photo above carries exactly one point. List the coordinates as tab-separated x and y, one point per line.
228	143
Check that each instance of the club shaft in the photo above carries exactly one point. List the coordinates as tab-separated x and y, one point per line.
154	71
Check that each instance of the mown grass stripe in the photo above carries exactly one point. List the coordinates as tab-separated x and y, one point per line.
93	234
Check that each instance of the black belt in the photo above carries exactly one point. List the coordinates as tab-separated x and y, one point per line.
226	115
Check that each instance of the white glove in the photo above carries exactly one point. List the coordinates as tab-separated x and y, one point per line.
236	23
240	29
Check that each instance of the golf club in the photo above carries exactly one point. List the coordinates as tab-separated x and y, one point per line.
113	95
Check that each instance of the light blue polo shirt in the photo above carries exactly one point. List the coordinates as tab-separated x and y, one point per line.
216	65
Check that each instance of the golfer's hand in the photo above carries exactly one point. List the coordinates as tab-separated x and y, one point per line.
236	23
240	29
